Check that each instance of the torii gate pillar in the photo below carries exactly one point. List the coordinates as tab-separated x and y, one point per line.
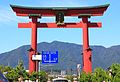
87	53
32	64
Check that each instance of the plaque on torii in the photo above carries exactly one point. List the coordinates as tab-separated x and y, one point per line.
60	12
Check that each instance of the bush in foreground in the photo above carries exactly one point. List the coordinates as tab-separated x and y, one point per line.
100	75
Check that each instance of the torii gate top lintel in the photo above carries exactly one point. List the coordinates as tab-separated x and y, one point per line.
68	11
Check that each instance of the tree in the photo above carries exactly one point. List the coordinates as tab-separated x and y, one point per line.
85	77
7	68
117	77
26	75
33	76
15	73
12	75
115	68
100	75
1	68
115	72
70	77
20	66
43	76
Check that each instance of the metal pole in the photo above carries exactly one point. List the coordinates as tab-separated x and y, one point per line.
39	66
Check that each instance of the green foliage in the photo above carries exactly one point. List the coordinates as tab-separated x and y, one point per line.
70	77
33	76
85	77
115	68
20	66
100	75
115	72
5	68
12	74
117	77
43	76
1	68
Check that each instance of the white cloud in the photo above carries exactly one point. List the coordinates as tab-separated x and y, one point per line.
7	16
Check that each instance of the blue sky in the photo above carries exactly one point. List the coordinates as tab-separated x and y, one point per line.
11	37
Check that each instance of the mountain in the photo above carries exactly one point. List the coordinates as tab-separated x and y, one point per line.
69	55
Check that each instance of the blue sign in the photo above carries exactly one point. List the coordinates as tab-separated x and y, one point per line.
49	56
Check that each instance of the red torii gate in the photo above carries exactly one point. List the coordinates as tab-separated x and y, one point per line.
82	12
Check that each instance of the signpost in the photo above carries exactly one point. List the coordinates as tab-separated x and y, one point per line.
49	57
37	57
